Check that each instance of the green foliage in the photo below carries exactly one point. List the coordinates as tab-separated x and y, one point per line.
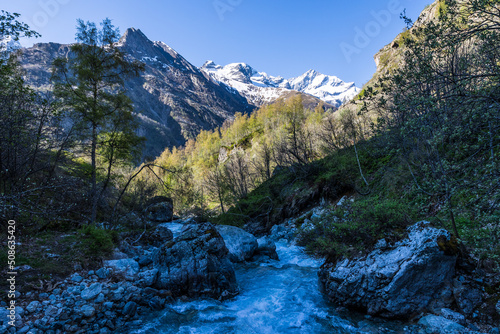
97	242
353	229
222	166
404	37
10	26
31	141
382	214
258	202
442	8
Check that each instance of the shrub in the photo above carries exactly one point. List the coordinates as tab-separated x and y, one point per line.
97	242
355	228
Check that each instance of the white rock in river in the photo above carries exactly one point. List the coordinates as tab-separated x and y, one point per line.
241	245
396	282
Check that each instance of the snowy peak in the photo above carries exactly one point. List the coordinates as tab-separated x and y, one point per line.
257	87
9	44
314	79
156	54
209	65
260	88
240	72
328	88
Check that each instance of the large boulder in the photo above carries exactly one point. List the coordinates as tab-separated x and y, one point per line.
196	264
131	220
396	282
267	247
241	245
157	236
128	268
159	209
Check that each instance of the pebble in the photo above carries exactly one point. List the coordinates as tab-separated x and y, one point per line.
51	311
92	291
76	278
103	273
23	330
130	309
33	306
87	311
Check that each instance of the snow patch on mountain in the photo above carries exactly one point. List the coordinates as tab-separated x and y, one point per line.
260	88
8	44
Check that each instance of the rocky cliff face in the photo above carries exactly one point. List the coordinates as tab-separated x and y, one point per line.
391	55
174	101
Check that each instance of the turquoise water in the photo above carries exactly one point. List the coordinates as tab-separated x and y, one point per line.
275	297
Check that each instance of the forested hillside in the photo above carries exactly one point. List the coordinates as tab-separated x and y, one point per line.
421	139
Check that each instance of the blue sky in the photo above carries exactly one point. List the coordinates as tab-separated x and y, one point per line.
280	37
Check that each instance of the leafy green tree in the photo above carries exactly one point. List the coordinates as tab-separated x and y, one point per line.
217	187
90	84
10	27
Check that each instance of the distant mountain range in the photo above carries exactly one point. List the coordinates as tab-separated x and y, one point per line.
260	88
175	100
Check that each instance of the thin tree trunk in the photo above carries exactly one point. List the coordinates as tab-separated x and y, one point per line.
93	192
452	217
108	176
219	190
359	165
128	183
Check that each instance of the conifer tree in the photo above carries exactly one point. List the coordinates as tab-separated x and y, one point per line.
90	84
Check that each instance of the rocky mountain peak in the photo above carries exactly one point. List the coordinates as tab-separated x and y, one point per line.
311	73
210	64
173	100
133	36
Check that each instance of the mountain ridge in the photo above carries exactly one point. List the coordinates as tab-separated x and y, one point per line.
260	88
173	99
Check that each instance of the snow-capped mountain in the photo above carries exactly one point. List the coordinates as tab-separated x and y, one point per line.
328	88
260	88
8	44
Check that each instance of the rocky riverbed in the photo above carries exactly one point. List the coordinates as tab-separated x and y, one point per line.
202	278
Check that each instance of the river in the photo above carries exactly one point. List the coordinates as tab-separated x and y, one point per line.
275	297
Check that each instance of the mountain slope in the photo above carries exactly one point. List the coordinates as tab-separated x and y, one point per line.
173	99
260	88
